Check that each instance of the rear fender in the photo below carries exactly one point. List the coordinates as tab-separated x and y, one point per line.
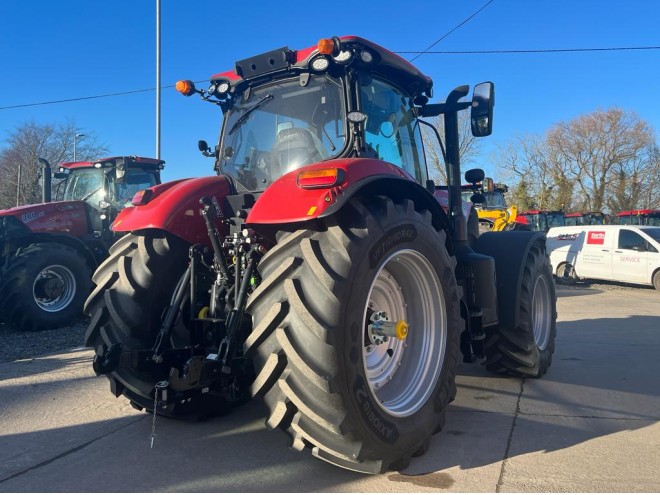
174	207
10	246
510	250
287	202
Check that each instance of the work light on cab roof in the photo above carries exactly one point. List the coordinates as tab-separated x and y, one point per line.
326	57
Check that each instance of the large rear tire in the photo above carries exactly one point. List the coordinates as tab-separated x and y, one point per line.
44	286
357	404
526	350
134	286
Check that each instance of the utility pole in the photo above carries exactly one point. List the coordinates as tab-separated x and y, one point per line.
158	79
75	137
18	185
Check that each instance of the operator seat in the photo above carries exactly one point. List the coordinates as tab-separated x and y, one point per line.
293	148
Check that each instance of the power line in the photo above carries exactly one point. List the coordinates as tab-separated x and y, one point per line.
107	95
542	50
52	102
419	54
448	52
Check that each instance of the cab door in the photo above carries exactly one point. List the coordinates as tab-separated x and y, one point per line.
630	261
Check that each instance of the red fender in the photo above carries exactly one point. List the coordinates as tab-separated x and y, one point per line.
174	207
286	201
58	217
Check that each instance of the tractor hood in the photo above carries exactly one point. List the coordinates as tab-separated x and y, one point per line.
63	216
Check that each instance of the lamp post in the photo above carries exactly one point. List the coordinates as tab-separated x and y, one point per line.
75	137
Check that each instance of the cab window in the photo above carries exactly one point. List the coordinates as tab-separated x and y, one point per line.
392	130
134	180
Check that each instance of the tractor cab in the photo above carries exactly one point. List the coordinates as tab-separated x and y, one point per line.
286	109
541	220
109	181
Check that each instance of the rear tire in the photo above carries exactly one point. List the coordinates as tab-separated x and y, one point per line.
134	287
526	350
656	280
43	286
362	406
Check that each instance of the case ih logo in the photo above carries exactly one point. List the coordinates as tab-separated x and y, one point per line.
596	238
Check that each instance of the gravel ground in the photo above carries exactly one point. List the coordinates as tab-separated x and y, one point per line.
27	345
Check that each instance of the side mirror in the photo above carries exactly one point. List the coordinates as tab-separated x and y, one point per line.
60	175
204	147
120	171
481	115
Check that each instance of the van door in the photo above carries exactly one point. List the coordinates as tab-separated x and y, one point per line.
630	262
595	258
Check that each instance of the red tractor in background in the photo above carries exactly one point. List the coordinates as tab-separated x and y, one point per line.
49	251
540	220
588	218
320	269
639	217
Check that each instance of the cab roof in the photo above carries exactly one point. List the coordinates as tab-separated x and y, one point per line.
130	161
537	212
384	63
638	212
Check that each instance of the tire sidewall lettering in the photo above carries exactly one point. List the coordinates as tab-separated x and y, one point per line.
394	237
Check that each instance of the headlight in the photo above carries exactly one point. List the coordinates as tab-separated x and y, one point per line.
343	57
320	64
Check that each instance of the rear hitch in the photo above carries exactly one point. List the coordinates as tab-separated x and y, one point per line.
107	361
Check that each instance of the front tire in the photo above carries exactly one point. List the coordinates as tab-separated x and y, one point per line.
43	286
357	404
526	350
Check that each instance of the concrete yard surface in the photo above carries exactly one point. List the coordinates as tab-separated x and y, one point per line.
592	424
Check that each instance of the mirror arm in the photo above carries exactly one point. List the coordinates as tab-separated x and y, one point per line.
436	109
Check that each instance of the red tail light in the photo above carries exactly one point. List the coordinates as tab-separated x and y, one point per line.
142	197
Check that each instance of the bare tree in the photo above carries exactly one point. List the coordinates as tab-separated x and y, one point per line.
598	161
600	149
469	146
19	170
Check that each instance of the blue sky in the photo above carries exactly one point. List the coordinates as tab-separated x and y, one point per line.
55	50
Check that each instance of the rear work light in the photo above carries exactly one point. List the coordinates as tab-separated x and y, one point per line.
142	197
324	177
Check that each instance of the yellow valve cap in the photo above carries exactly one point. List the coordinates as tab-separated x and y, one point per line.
204	312
401	330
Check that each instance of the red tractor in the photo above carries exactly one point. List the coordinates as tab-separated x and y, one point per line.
541	220
639	217
49	251
320	269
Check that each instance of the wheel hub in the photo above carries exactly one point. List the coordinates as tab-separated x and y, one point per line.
54	288
405	298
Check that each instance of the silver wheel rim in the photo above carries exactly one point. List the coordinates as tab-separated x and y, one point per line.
54	278
541	312
402	374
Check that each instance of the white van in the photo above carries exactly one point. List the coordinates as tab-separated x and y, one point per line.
623	253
